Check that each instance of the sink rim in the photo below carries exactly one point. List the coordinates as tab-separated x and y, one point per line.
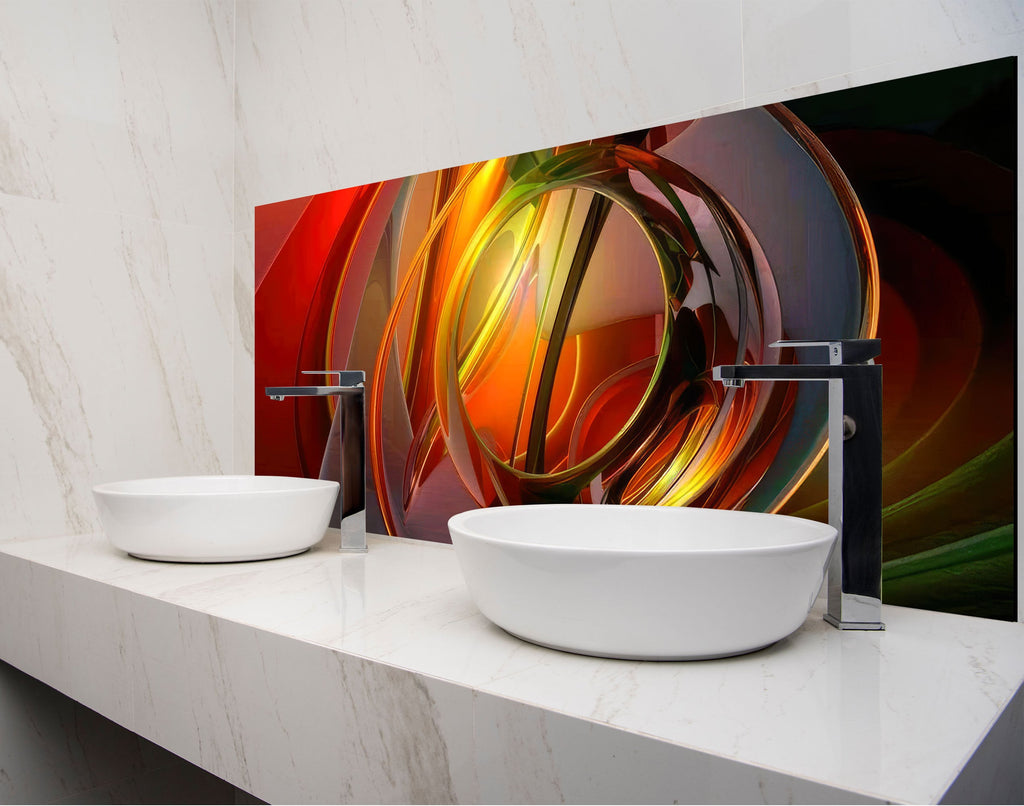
817	532
275	485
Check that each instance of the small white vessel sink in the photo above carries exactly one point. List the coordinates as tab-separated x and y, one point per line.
650	583
210	519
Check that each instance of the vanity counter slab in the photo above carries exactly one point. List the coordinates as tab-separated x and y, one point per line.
326	677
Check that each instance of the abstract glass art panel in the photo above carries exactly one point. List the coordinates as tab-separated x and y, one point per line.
541	327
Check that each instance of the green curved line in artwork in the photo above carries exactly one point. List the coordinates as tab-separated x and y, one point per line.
999	456
974	577
957	506
984	546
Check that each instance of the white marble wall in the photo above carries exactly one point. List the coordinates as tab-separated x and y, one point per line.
116	308
333	94
116	316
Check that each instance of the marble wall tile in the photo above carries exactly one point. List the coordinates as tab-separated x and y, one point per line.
333	95
1009	45
328	96
502	78
115	354
427	84
120	106
116	311
810	46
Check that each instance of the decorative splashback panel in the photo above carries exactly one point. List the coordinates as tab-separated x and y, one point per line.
541	327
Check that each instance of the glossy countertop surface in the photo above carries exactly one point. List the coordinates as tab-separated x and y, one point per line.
892	715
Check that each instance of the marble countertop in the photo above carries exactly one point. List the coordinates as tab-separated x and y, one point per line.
220	664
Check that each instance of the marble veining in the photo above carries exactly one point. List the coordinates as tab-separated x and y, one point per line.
53	391
147	274
384	658
426	84
88	352
116	211
102	110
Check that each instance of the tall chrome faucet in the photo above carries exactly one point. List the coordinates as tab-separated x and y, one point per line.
854	469
348	438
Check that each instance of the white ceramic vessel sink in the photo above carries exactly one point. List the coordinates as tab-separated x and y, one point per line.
215	518
651	583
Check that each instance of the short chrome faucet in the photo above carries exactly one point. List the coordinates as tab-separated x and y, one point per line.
854	469
350	423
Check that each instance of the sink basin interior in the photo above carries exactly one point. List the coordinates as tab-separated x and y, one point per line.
639	529
215	518
657	583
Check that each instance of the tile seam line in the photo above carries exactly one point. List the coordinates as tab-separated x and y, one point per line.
743	51
232	267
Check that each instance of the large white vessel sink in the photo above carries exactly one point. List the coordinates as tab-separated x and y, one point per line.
208	519
651	583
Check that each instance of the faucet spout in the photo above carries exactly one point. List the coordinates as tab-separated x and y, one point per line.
854	469
348	440
737	375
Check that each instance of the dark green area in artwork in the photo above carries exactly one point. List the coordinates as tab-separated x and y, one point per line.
973	577
932	159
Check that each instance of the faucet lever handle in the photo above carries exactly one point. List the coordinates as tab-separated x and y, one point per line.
328	372
342	377
840	351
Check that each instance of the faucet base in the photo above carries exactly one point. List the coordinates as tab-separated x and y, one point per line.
853	625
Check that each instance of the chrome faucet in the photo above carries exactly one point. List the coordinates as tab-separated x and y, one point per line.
854	469
350	425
